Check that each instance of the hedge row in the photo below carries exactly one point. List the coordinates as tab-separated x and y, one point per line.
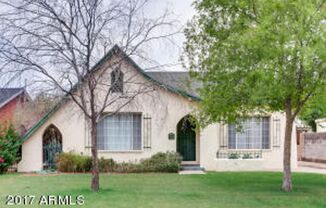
160	162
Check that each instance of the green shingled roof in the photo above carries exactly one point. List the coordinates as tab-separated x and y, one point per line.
180	80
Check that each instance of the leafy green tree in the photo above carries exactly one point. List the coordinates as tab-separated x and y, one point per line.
10	144
257	56
314	109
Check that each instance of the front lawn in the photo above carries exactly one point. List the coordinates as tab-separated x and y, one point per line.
252	189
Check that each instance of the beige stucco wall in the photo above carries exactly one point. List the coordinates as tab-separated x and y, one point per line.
166	109
70	123
272	159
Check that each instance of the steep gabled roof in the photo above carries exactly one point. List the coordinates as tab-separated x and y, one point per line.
8	94
160	80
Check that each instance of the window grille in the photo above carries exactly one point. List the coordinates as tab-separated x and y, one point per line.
239	154
147	129
276	132
252	133
117	81
223	137
119	132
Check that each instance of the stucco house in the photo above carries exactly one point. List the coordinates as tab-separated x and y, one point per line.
157	121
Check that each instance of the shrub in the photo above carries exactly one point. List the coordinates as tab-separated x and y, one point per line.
160	162
83	163
65	162
233	156
10	144
107	165
71	162
163	162
247	156
125	167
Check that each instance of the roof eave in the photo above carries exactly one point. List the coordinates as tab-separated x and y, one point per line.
11	98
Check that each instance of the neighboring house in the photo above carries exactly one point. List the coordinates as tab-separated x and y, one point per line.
321	125
10	99
157	121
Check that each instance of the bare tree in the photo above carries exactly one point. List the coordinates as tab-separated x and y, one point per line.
29	112
59	42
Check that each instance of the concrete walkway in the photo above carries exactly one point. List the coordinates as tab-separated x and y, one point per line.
303	167
311	167
191	172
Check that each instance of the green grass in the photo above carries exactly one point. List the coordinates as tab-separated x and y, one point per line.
250	189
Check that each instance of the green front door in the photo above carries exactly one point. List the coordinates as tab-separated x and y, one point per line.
186	140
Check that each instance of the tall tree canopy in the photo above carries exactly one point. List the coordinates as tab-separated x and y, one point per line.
258	56
314	109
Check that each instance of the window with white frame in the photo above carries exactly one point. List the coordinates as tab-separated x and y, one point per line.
252	133
119	132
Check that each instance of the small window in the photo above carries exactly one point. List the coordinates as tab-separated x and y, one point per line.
120	132
252	133
117	81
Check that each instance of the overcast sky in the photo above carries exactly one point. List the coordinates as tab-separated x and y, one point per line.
167	56
166	53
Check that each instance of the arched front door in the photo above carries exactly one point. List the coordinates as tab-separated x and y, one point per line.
52	145
186	139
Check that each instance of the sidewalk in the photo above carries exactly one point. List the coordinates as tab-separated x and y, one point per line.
311	167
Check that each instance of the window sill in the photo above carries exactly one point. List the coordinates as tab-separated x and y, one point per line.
247	150
120	151
227	159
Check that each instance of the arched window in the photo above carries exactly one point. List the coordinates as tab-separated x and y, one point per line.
117	80
52	145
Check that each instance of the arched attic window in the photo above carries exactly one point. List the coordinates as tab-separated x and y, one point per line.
117	80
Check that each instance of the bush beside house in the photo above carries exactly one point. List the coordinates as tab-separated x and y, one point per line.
160	162
10	144
71	162
107	165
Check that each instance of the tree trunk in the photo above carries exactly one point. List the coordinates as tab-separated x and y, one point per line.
287	179
95	185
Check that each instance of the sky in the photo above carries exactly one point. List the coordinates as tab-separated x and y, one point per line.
167	53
